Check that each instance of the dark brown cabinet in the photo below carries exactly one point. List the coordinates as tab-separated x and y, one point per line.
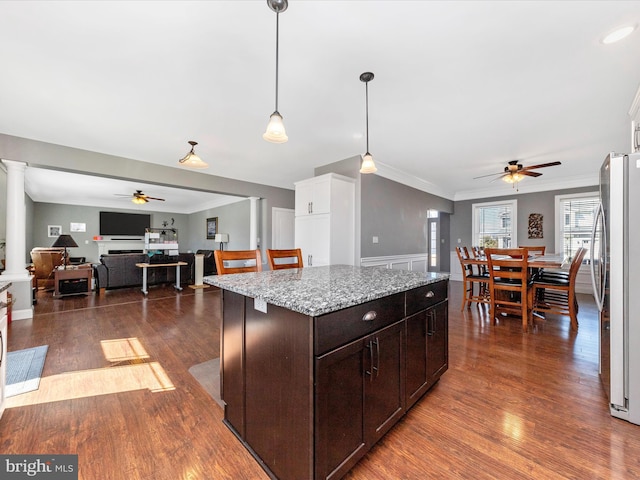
359	397
309	396
427	339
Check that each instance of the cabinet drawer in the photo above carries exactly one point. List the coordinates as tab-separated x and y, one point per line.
424	297
338	328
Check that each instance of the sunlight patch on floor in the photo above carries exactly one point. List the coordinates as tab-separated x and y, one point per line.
101	381
123	349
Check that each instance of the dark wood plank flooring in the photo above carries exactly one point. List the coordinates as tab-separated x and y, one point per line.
116	390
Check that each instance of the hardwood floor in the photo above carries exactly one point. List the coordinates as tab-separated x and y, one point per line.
116	390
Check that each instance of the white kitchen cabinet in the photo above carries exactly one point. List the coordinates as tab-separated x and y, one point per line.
325	220
313	196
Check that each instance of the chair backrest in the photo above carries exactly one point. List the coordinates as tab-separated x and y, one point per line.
508	265
45	260
535	250
236	257
294	257
478	252
575	264
463	256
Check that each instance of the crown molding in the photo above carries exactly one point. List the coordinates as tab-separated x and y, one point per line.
399	176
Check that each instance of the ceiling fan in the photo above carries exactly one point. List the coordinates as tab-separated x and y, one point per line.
140	198
514	171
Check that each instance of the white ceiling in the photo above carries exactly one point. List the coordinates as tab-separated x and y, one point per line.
460	88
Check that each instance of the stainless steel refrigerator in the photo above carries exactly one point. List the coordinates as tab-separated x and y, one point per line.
615	272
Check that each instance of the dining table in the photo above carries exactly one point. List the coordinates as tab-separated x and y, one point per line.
548	260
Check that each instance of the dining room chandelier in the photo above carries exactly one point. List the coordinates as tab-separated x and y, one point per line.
275	132
368	166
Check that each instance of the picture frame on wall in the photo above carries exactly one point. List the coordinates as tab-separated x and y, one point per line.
54	230
212	227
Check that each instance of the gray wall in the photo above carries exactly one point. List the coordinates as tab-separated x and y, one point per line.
45	214
540	202
233	219
397	215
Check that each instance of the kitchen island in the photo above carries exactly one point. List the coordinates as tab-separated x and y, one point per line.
318	363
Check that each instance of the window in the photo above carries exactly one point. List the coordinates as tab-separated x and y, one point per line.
495	224
574	221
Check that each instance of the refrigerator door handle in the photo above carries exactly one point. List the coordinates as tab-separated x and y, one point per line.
598	293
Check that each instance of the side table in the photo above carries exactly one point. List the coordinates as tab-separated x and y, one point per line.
72	281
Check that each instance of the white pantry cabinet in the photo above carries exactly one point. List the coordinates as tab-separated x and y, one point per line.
325	220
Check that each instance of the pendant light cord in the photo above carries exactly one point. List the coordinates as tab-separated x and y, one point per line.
277	55
366	86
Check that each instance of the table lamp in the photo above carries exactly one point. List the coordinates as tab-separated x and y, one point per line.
65	241
221	238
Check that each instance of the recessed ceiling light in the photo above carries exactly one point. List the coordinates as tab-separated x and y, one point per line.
618	34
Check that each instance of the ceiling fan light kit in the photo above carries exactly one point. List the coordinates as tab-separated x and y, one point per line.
140	198
368	165
275	132
192	160
515	172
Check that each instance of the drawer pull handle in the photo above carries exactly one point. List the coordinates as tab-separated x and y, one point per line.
369	316
430	294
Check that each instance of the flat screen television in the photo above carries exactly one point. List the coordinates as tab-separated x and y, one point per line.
118	223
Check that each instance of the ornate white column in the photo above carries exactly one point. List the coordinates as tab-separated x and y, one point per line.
15	250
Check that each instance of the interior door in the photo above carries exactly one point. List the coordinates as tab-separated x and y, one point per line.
282	228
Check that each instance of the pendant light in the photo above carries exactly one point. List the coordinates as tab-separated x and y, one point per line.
367	160
275	129
192	160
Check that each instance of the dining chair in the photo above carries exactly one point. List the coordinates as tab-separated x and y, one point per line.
535	249
239	260
286	258
557	294
470	278
509	283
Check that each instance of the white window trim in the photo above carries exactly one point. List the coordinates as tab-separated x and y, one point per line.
514	218
560	218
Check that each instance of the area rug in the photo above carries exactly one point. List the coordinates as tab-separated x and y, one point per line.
208	375
24	369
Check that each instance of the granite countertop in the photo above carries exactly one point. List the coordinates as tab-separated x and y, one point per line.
4	286
318	290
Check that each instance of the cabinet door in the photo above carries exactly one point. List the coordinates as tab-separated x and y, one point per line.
416	378
437	342
313	233
384	381
313	197
427	350
339	410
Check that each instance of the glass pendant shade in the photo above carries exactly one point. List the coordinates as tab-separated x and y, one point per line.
367	164
138	200
192	160
513	178
275	129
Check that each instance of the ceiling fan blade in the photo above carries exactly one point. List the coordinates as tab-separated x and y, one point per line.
153	198
529	174
490	175
542	165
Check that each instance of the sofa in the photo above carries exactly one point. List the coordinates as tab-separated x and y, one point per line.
119	271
